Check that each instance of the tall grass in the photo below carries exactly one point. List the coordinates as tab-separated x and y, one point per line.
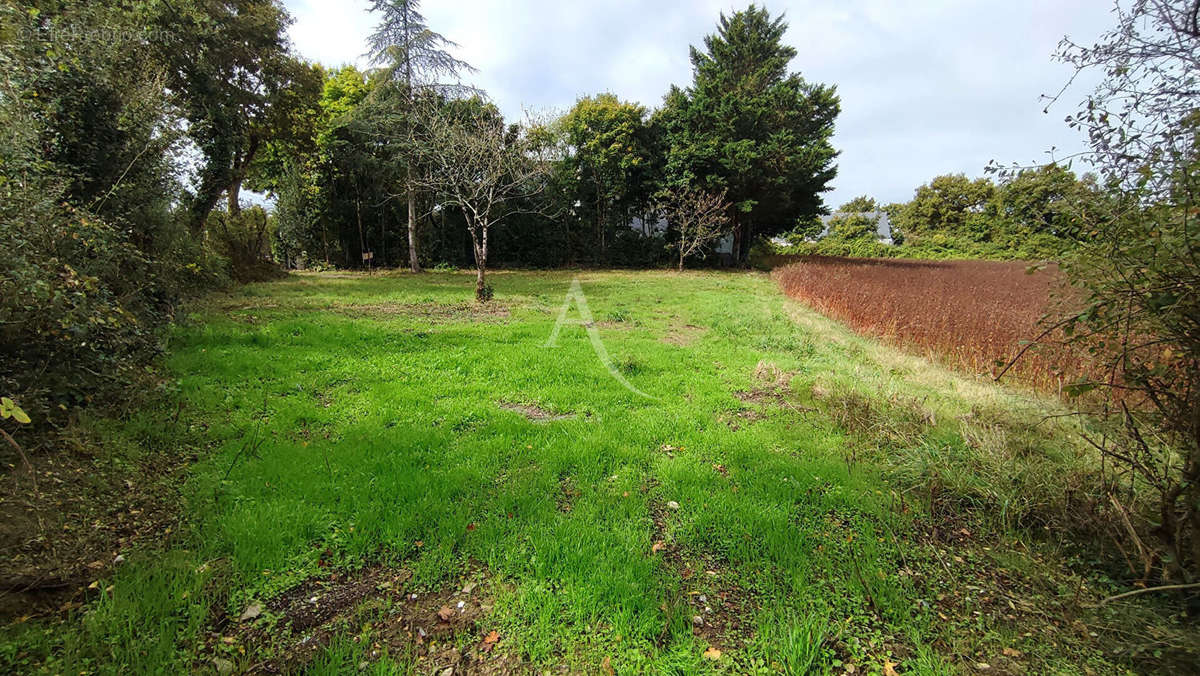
973	315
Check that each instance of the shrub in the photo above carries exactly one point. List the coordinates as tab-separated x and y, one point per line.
245	239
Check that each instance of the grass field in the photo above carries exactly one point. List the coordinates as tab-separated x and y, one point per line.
392	479
969	314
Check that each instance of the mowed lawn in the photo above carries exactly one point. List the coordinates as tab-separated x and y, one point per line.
391	478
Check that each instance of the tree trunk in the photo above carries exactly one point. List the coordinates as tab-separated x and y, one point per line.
681	259
235	192
481	253
414	263
736	248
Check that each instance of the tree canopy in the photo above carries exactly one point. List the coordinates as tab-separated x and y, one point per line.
750	127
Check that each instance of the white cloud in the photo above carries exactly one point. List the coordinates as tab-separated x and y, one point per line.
927	88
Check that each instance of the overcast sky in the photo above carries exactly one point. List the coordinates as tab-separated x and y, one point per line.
927	87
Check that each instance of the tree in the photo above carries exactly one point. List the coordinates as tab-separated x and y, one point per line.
1047	201
416	59
748	126
278	125
862	204
228	68
698	217
479	166
94	262
611	158
846	226
948	207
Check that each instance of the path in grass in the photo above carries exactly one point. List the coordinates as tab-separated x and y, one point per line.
371	441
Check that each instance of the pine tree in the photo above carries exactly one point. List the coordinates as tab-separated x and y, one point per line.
417	60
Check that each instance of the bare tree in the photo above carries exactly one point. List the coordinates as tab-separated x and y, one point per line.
417	59
700	217
480	166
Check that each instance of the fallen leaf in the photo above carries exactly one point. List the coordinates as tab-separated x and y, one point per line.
712	654
251	612
471	526
889	668
657	547
1011	652
606	666
492	637
445	613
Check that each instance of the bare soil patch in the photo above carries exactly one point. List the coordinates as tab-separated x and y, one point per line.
70	530
717	608
684	336
535	413
442	631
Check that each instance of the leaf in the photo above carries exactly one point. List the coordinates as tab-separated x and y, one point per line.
491	638
445	613
889	668
712	654
657	547
606	666
251	612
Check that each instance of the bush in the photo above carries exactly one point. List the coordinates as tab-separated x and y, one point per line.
94	260
80	303
245	239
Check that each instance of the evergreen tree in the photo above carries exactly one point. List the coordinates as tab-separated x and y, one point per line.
415	59
751	128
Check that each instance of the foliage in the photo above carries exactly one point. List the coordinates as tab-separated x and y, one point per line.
749	127
229	71
853	227
863	204
951	205
612	161
244	237
94	258
9	409
1140	272
1030	214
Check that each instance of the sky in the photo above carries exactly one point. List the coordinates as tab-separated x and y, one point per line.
927	87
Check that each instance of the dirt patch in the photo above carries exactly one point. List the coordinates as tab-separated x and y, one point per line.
717	608
735	419
436	631
431	312
567	493
535	413
772	387
69	531
684	336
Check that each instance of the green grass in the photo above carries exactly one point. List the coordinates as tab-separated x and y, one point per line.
347	421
